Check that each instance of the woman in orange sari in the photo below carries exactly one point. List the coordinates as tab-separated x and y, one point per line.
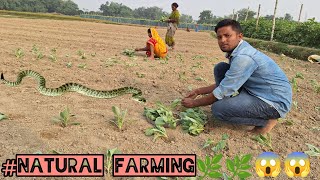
155	45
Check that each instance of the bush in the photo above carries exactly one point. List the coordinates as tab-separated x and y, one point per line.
290	32
296	52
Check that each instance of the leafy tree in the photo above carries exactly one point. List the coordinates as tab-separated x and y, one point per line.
186	18
153	13
52	5
68	8
288	17
206	16
216	19
243	12
268	17
4	5
116	9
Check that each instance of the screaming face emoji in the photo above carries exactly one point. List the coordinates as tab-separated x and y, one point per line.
297	164
268	165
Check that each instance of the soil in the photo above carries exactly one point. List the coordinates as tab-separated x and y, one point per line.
29	128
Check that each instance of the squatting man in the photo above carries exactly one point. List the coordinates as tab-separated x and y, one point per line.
265	92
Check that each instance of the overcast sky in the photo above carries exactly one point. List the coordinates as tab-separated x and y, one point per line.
311	8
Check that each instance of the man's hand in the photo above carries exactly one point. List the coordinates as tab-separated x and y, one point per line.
203	101
193	94
188	102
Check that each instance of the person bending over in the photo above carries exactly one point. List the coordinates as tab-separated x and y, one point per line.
155	45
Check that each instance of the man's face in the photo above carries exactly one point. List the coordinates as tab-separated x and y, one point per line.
228	39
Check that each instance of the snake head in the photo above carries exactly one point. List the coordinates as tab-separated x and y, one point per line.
139	98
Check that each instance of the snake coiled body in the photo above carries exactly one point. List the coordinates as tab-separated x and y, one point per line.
74	87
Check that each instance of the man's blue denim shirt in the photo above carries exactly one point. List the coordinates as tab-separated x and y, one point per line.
259	75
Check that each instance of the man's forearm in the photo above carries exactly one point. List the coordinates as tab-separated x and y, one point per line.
204	101
206	90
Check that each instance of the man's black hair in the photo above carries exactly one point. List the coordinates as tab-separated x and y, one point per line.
149	30
175	5
229	22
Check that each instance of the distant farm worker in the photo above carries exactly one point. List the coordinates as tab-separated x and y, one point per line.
155	46
173	23
265	93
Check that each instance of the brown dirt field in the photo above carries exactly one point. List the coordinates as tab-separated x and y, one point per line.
29	128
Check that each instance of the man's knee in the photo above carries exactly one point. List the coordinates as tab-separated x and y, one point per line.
218	111
219	71
220	67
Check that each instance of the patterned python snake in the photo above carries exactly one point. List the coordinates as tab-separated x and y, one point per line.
69	87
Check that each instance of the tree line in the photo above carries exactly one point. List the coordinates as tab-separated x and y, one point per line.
153	13
207	17
68	7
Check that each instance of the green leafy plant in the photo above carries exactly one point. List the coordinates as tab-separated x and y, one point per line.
295	85
130	65
238	167
165	61
193	120
198	57
222	144
182	76
157	132
162	115
3	117
299	75
163	18
69	65
315	128
82	65
19	53
39	55
82	54
200	79
129	52
179	57
119	117
198	65
53	55
111	62
295	104
289	122
35	49
315	86
208	143
210	167
266	141
64	118
108	163
313	150
140	75
175	103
